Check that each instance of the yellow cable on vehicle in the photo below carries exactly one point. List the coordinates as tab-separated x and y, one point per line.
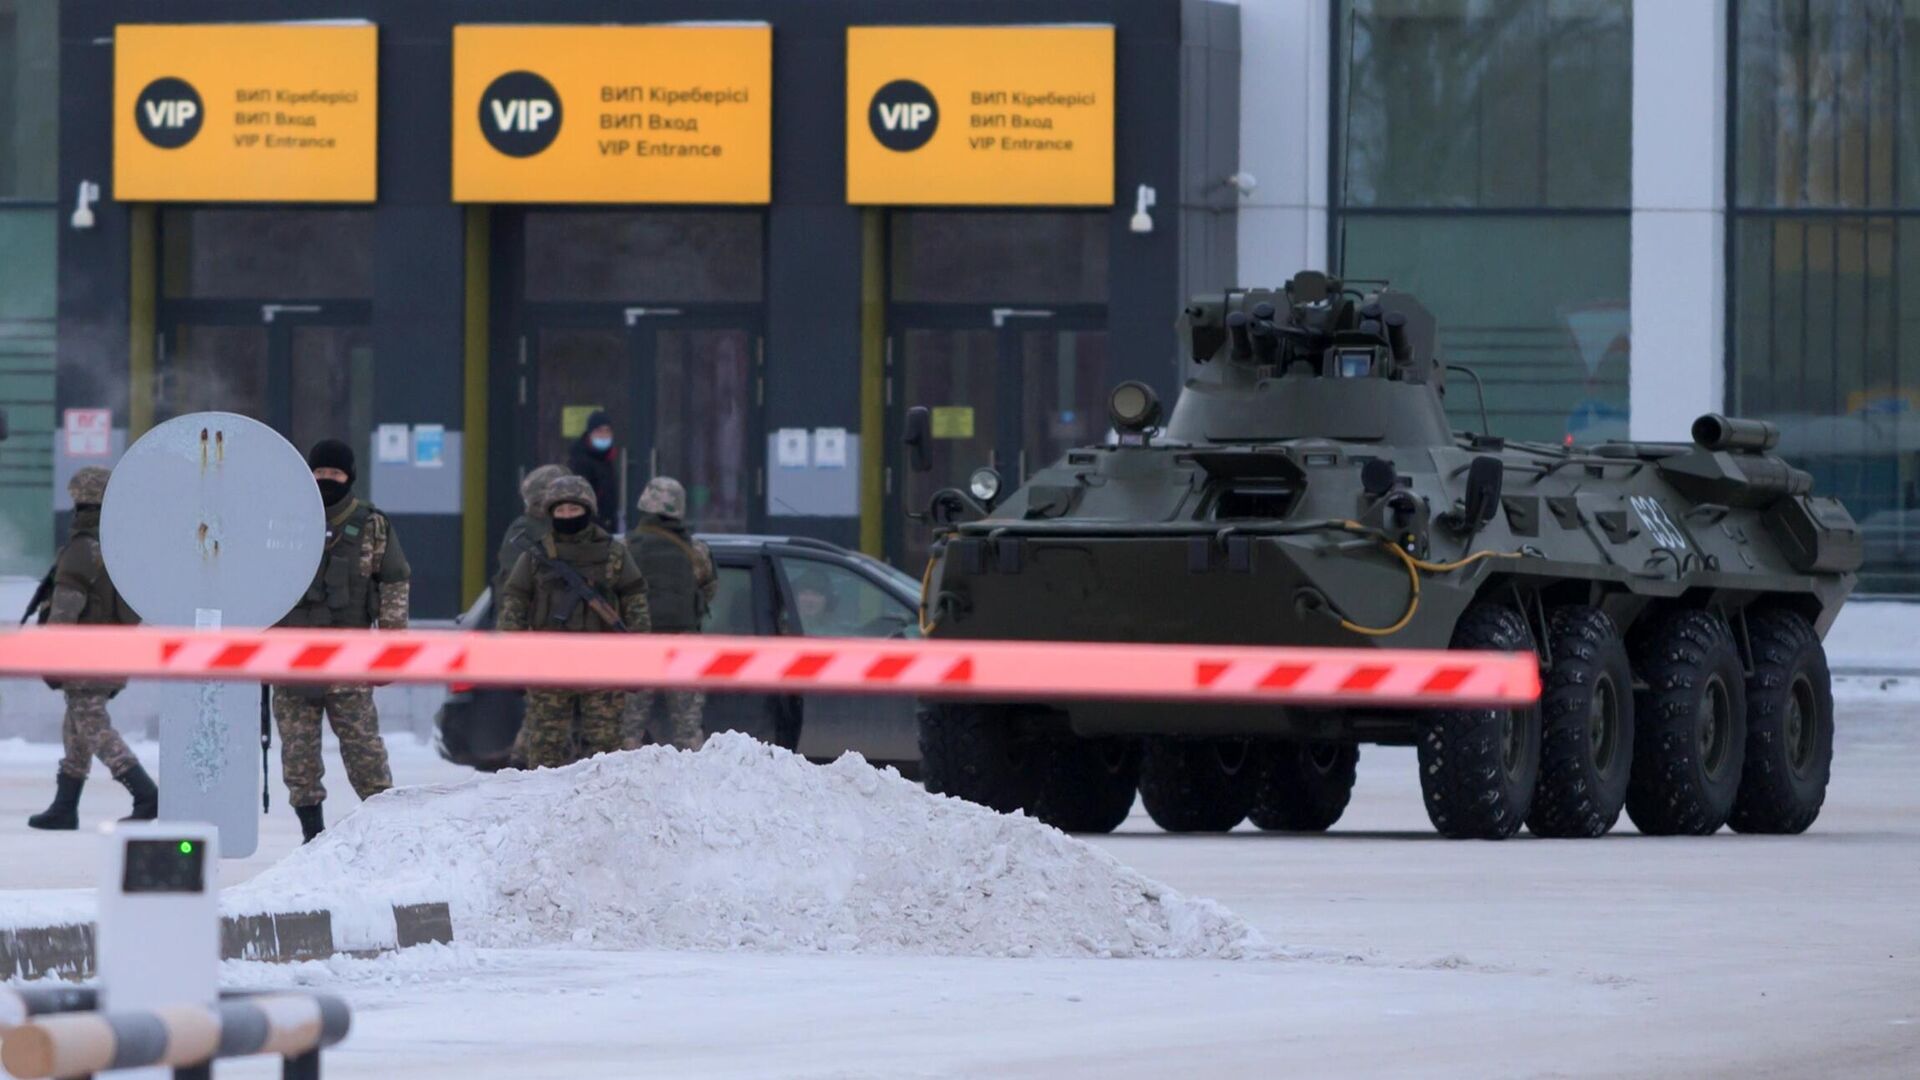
926	578
1414	566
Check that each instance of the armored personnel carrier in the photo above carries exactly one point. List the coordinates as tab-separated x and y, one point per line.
1307	490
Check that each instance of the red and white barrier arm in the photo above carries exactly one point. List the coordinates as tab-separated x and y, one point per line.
987	669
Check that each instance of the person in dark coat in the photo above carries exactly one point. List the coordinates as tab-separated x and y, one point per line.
592	459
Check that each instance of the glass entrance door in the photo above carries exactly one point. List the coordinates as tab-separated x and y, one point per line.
683	394
1015	394
304	369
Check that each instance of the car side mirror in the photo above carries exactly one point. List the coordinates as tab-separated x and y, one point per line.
1484	477
918	439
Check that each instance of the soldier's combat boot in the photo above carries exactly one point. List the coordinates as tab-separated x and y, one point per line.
65	811
146	797
312	822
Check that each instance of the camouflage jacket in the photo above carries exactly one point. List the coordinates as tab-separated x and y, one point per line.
535	594
82	592
525	529
363	578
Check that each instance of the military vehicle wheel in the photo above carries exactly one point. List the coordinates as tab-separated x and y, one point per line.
1479	767
1197	785
1690	726
980	753
1302	786
1586	727
1789	727
1087	785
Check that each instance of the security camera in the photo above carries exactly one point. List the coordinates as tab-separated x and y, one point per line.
1143	201
83	201
1244	182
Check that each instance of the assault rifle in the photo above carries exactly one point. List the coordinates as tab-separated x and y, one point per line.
579	590
41	604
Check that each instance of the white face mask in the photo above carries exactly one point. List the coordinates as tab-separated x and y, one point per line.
602	442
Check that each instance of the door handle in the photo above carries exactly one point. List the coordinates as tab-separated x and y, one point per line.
635	314
268	311
1002	314
653	462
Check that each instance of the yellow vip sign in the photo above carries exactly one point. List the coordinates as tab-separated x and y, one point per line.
994	116
245	113
600	114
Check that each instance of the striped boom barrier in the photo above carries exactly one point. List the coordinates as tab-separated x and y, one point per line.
294	1026
1022	670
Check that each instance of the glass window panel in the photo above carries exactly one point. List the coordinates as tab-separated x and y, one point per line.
829	600
578	372
266	254
1824	88
1487	102
215	367
631	256
732	611
1827	351
703	395
1020	257
28	239
1063	394
1548	334
332	377
956	374
29	99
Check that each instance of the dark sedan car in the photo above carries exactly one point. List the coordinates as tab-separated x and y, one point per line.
768	585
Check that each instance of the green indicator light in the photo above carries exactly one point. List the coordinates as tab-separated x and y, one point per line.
186	847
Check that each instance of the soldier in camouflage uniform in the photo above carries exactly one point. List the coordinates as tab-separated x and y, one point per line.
562	726
362	581
680	587
83	595
531	526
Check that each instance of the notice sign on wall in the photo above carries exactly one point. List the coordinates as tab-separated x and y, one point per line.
629	114
985	116
245	112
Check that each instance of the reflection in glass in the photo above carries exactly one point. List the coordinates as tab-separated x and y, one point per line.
214	368
703	389
1019	257
1547	334
1063	393
580	371
952	372
1825	269
1468	103
628	256
332	381
298	255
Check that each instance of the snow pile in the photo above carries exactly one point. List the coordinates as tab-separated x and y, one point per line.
741	845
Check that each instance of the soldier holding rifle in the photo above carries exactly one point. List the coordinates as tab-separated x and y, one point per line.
578	580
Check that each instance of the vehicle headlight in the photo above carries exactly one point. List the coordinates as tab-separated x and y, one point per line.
984	484
1133	406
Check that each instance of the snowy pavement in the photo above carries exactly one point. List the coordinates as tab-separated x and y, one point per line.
1400	954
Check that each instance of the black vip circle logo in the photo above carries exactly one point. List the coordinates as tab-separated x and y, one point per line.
903	115
168	113
520	114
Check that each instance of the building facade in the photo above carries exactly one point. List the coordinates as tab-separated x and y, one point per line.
1624	213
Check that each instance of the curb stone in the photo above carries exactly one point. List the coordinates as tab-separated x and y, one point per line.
66	951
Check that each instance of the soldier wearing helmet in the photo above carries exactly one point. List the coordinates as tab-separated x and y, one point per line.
81	594
680	589
531	526
577	580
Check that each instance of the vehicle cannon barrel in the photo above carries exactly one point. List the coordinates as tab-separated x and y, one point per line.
1715	432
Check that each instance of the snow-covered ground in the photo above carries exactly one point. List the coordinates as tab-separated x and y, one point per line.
1395	954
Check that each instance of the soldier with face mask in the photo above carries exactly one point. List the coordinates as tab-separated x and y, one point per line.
578	580
362	582
83	595
680	588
